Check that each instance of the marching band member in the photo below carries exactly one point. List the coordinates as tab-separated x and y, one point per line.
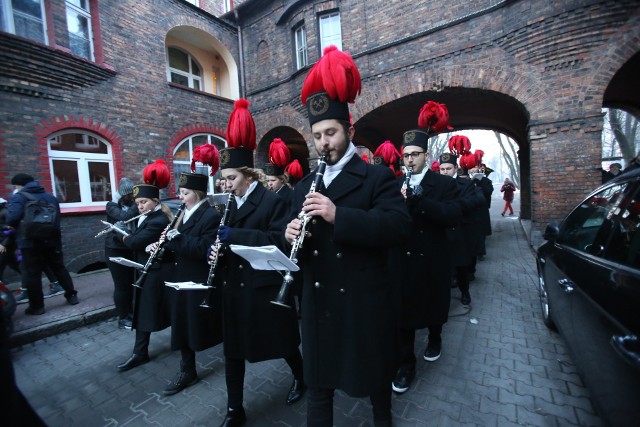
254	329
424	273
150	314
277	178
347	316
193	327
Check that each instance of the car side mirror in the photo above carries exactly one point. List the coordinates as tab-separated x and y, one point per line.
551	232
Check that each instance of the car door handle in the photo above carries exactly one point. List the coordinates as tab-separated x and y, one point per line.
628	346
566	285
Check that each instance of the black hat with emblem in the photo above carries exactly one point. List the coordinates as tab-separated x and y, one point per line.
194	181
416	137
333	83
448	158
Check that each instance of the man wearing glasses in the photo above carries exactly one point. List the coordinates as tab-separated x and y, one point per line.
422	264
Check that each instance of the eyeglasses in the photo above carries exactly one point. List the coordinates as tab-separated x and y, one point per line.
413	155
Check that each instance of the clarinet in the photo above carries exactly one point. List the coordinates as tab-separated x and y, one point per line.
158	250
283	294
218	245
407	180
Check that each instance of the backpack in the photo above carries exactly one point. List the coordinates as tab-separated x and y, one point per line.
40	218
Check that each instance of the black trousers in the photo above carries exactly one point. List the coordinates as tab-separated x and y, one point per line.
9	259
320	406
34	261
407	338
123	278
234	376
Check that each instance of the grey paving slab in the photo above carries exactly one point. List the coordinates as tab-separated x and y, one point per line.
499	367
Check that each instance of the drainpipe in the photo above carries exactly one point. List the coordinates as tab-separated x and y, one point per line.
241	52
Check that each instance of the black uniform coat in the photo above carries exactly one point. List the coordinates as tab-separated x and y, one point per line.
254	329
465	238
286	193
422	264
347	312
193	326
150	312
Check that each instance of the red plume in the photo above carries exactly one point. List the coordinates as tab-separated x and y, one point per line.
388	152
478	155
279	153
434	117
435	166
468	161
157	173
241	130
206	154
294	169
334	73
459	145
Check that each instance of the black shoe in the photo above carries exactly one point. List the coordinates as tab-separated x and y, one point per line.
133	361
465	299
124	323
234	418
295	392
34	311
403	379
183	380
432	353
73	299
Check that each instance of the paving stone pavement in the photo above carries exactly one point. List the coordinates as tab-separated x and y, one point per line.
500	366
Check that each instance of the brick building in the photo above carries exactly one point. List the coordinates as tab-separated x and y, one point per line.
91	91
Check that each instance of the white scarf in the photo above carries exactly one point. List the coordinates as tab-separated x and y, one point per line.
332	171
241	200
143	217
189	212
416	178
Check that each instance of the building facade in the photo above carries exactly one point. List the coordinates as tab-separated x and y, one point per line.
92	91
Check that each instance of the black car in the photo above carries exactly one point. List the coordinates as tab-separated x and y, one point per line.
589	284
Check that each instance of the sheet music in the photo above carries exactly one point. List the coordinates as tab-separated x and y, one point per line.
126	262
182	286
265	257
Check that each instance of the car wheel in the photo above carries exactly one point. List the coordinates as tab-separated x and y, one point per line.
545	305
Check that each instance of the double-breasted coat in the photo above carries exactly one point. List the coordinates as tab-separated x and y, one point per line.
150	312
192	326
422	264
347	312
254	328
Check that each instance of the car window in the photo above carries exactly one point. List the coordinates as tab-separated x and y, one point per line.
588	226
623	243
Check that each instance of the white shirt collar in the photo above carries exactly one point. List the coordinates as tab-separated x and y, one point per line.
189	212
241	200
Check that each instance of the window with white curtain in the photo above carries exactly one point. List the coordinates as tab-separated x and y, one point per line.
183	154
79	27
330	31
81	165
24	18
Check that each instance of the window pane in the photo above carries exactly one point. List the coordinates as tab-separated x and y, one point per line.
78	142
195	68
100	181
182	152
330	31
77	24
66	182
29	7
29	28
179	79
178	60
199	140
82	4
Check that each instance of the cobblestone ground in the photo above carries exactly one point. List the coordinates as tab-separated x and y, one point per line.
500	366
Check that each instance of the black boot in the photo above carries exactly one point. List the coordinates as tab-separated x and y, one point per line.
184	379
234	418
133	361
295	392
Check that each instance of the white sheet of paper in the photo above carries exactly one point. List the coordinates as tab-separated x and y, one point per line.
265	257
126	262
182	286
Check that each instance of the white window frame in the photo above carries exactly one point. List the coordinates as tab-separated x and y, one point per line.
87	14
8	20
189	140
189	75
194	2
328	22
300	40
228	5
82	161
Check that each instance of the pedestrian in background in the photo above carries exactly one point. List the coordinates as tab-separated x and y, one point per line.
121	210
508	188
38	253
8	246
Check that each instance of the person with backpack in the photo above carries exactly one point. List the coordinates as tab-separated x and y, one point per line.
36	215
